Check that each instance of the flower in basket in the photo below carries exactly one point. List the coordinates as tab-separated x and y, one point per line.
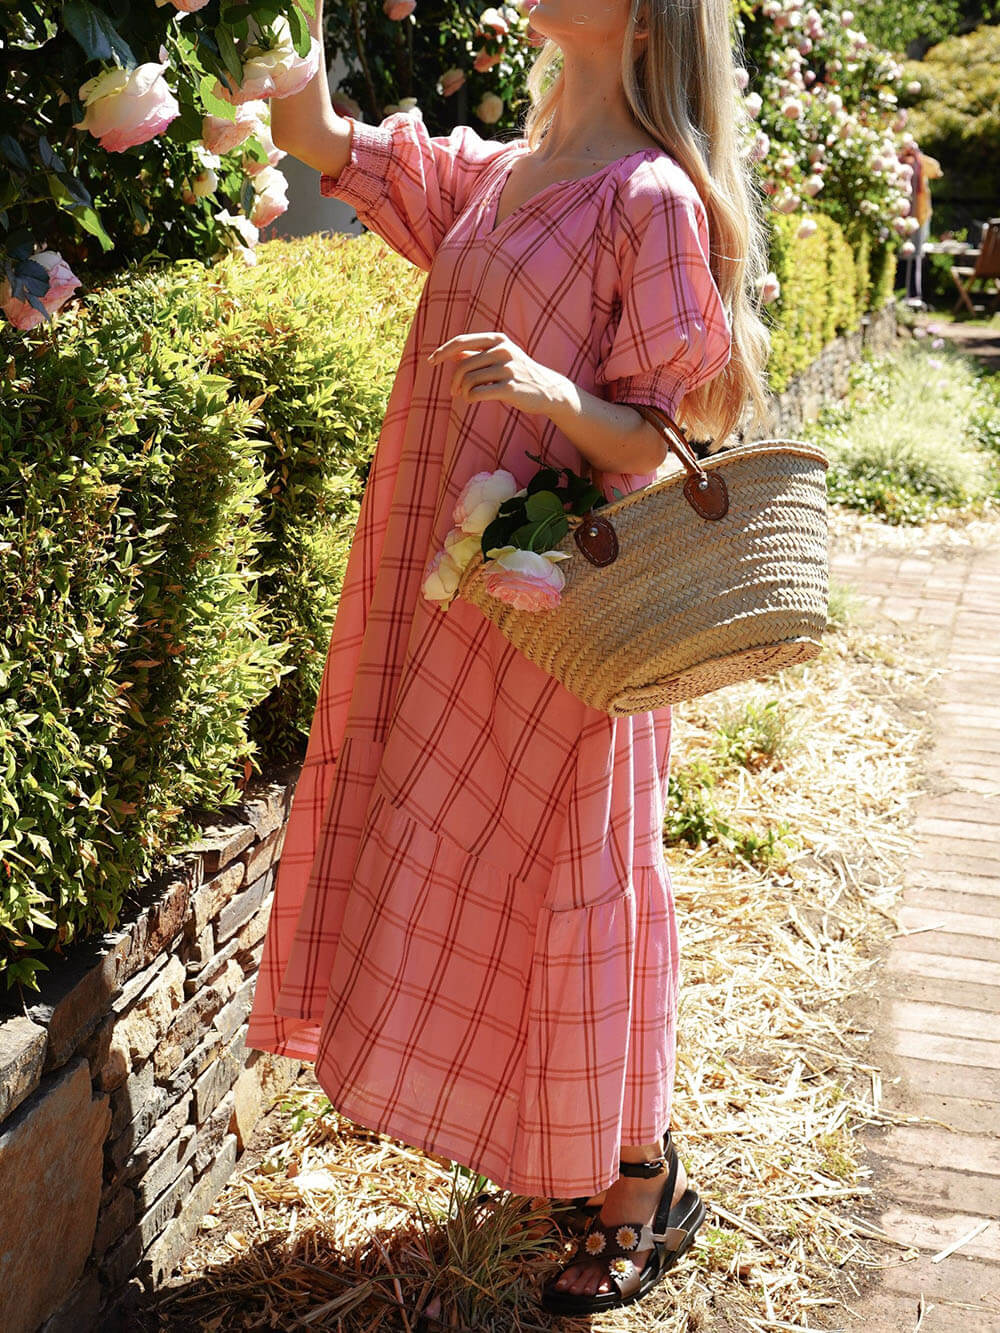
526	580
516	531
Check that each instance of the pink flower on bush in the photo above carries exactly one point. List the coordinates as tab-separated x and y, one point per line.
791	109
771	289
398	9
271	200
222	136
127	107
526	580
480	498
806	228
278	71
485	61
451	80
185	6
62	283
489	108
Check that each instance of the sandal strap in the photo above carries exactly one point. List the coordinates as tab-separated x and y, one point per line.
613	1246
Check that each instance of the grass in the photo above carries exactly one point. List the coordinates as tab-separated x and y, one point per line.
918	432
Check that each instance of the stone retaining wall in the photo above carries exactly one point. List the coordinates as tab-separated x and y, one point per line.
826	378
126	1090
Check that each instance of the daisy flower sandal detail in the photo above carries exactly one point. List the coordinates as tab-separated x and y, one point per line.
670	1236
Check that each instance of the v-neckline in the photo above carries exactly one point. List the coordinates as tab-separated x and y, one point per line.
504	176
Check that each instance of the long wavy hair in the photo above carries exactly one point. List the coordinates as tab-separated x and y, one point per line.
681	86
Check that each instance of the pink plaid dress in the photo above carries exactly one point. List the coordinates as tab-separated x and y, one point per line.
472	935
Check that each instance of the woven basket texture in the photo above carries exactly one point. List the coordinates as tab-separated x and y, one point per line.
690	604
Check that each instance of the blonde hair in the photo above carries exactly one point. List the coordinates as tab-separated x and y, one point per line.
682	90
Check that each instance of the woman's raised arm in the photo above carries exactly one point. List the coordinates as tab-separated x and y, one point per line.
306	125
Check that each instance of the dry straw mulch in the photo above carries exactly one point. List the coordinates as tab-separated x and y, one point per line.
333	1227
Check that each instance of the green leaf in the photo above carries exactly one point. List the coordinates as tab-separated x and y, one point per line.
228	53
299	32
89	221
546	479
542	504
215	106
96	34
13	152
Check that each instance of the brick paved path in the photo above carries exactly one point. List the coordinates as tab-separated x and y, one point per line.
938	1025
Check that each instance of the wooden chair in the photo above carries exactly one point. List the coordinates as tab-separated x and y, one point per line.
986	269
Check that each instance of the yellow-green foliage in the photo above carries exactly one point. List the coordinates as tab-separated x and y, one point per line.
821	285
181	460
956	115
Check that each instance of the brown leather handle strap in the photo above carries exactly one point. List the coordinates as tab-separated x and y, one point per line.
675	439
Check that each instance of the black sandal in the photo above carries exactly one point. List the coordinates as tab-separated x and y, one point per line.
575	1220
670	1236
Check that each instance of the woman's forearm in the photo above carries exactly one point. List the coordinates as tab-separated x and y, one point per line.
305	118
611	436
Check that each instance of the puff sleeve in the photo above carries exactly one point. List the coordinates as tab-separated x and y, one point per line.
407	186
669	331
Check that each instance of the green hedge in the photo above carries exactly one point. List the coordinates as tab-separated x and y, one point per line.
826	286
181	460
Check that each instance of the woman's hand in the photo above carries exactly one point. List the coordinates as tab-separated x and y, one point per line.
493	368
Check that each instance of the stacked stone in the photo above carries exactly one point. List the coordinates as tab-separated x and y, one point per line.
826	379
126	1091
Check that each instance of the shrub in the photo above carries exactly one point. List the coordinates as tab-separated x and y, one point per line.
900	443
956	116
181	459
819	294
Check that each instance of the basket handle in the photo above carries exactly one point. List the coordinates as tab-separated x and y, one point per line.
705	492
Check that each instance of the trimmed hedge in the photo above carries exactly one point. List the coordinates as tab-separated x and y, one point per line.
825	289
181	461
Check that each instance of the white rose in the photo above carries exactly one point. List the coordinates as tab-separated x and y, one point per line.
462	546
276	72
480	498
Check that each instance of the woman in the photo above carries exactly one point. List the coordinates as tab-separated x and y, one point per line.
473	932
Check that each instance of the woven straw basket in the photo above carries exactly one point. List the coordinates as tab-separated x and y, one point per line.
713	576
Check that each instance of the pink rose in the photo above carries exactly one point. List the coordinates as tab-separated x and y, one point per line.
771	289
526	580
398	9
126	107
222	136
185	6
806	228
271	200
485	61
62	283
480	498
451	81
276	72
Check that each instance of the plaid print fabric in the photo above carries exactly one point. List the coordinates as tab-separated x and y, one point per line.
472	934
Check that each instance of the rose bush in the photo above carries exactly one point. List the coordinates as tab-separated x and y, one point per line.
142	130
825	103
